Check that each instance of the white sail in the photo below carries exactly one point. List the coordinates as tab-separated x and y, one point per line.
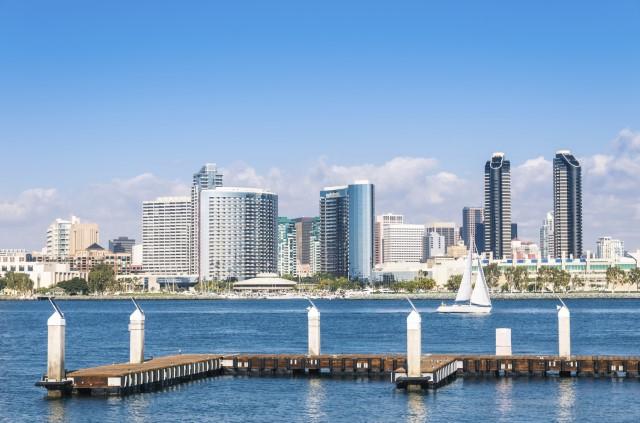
480	294
464	292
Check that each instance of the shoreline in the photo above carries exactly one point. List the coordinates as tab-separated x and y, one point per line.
350	296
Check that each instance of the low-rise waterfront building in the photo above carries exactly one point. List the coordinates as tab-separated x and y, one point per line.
44	274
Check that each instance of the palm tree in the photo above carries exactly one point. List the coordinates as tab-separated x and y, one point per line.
615	276
634	277
492	274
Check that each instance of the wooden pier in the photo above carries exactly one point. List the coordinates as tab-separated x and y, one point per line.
437	370
128	378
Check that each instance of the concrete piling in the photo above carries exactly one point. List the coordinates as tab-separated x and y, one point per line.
55	350
564	331
414	344
136	337
313	319
503	341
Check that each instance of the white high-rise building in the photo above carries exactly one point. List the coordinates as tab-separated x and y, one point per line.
381	221
435	245
546	236
608	248
208	177
403	242
238	233
58	234
166	236
67	238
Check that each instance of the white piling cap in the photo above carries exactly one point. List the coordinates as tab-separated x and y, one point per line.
138	314
313	311
57	318
563	311
414	320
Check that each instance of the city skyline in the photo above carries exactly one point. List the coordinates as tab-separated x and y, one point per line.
533	176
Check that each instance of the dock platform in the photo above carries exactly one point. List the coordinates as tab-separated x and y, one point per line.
127	378
437	369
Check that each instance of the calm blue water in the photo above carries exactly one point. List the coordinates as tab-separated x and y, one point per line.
97	334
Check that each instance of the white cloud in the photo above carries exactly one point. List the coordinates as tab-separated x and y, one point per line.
28	205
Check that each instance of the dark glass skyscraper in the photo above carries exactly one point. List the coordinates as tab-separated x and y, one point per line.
346	230
497	206
471	216
334	231
567	205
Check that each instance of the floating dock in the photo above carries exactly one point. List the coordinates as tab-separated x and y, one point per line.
437	370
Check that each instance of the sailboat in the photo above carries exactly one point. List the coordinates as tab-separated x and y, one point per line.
470	299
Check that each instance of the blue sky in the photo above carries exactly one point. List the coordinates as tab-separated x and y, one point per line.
97	96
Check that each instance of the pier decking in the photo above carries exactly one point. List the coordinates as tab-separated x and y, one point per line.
437	370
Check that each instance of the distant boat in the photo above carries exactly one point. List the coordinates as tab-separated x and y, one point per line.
470	299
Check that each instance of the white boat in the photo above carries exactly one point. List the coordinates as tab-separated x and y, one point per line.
470	299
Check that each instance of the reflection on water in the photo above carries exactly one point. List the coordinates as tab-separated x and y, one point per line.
566	400
417	407
56	410
315	400
504	396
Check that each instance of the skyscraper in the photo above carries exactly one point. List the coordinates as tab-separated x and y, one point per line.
334	230
208	177
166	229
497	206
238	233
296	249
68	237
361	221
287	243
378	244
471	216
347	230
546	236
403	242
567	205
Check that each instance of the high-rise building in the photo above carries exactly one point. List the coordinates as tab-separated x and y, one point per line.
122	244
296	249
334	230
287	246
347	230
58	234
447	229
381	220
315	251
166	236
361	222
208	177
403	242
66	238
435	245
471	216
238	233
479	237
546	236
497	206
567	205
608	248
304	230
82	235
514	231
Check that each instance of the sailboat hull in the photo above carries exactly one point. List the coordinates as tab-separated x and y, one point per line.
464	308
